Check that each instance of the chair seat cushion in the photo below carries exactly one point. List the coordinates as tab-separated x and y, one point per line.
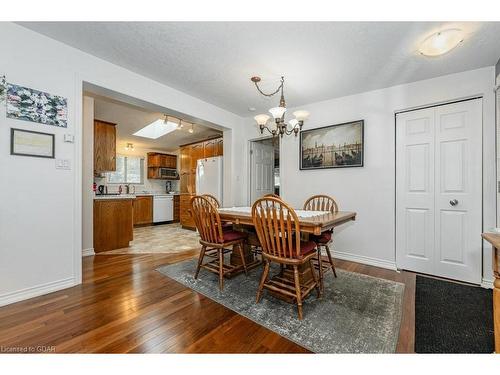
306	248
227	226
323	238
233	235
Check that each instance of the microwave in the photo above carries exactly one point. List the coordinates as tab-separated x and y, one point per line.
168	173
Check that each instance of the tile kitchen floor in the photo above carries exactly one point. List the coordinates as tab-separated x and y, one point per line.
160	239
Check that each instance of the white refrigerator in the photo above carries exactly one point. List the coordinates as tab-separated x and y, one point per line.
209	177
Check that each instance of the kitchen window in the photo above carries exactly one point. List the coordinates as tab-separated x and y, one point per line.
129	170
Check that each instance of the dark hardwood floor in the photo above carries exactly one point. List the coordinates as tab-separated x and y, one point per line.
124	306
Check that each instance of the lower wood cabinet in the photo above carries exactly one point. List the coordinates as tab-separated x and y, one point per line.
113	224
143	210
177	207
185	216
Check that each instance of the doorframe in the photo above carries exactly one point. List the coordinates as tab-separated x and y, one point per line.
451	101
249	165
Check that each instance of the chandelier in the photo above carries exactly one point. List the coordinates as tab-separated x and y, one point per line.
281	127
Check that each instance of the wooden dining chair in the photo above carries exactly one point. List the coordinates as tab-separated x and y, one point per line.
215	241
212	200
322	203
272	195
225	225
278	229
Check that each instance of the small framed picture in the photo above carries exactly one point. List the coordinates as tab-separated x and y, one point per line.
31	143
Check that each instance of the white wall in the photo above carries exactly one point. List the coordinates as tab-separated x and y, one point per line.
41	211
87	176
370	190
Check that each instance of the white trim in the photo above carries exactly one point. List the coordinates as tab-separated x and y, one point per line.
88	252
36	291
365	260
486	283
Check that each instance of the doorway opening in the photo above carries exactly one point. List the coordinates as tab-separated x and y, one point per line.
134	185
264	168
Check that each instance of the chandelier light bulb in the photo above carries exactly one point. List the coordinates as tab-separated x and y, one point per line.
301	115
277	112
261	119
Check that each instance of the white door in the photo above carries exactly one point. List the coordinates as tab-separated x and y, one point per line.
261	170
438	190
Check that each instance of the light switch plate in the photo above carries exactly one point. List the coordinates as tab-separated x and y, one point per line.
69	138
63	164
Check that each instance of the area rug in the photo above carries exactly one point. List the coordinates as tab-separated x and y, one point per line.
357	313
452	318
160	239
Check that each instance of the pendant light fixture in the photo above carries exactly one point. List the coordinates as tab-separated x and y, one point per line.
278	113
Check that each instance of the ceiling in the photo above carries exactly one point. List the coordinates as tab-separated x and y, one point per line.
129	119
320	60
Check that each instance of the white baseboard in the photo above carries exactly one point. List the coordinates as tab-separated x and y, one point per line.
488	284
88	252
365	260
23	294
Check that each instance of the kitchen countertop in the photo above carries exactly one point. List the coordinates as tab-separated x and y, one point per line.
130	196
120	196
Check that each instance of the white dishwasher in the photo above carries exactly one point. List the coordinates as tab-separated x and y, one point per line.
163	208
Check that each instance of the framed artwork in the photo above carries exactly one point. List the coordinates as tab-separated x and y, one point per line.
333	146
28	104
3	88
30	143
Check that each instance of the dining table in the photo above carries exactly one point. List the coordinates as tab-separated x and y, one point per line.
311	222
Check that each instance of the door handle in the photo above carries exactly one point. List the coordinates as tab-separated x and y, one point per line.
453	202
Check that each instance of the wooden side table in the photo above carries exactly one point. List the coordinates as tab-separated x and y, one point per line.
494	240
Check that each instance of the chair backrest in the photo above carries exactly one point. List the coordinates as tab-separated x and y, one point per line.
212	200
272	196
321	203
277	226
207	219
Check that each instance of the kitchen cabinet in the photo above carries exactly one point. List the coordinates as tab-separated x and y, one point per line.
113	224
209	148
189	155
177	207
143	210
219	147
104	146
184	214
156	161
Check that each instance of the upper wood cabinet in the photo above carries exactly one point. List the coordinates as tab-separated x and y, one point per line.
189	155
104	146
219	147
158	160
209	148
197	152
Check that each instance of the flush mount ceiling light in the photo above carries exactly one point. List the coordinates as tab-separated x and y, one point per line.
441	42
159	128
278	113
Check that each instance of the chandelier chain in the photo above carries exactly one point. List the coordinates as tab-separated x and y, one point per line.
274	92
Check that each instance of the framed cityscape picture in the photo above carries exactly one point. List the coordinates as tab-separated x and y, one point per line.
333	146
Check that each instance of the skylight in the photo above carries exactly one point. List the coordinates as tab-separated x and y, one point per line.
156	129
